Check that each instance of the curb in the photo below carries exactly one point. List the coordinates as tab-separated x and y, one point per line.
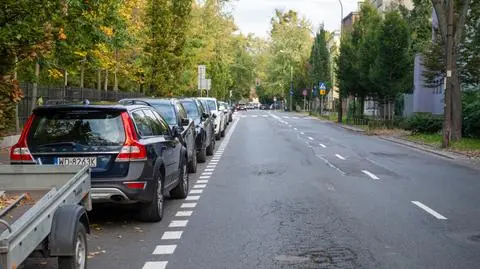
400	141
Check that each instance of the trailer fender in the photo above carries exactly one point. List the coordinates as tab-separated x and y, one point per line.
64	228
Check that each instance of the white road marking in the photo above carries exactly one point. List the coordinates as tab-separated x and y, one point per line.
311	138
206	177
429	210
286	122
192	198
370	174
243	116
295	129
164	249
188	205
207	173
302	133
322	145
285	117
340	157
331	165
216	159
178	223
209	170
277	118
196	192
202	181
172	235
155	265
294	117
210	166
306	142
254	116
199	186
265	116
184	213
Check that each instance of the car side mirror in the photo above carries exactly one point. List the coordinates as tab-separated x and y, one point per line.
175	132
214	116
205	116
185	122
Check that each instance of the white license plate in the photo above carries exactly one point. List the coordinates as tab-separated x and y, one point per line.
82	161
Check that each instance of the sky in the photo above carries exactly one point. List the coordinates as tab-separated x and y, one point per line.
253	16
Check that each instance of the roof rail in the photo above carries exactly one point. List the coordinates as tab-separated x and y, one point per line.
56	102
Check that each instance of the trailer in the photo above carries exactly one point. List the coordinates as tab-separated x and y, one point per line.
43	213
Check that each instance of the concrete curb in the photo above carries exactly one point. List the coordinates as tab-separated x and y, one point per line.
449	155
8	141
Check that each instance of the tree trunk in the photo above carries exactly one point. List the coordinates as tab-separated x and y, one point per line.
82	72
35	84
457	117
115	79
362	106
450	52
99	79
105	86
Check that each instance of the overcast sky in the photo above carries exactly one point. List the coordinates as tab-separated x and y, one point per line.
253	16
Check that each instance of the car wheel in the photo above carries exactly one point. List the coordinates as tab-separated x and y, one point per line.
202	154
217	136
79	258
153	211
181	190
211	147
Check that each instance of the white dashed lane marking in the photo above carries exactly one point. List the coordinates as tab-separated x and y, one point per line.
340	156
322	145
155	265
209	170
302	133
164	249
370	174
172	235
204	177
207	173
196	192
178	223
192	198
188	205
429	210
184	213
311	138
199	186
202	181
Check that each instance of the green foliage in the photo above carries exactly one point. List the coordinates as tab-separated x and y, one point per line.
424	123
469	62
471	113
320	59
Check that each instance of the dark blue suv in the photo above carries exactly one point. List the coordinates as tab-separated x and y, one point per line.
134	156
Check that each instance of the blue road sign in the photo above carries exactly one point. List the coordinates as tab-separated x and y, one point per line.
322	86
291	92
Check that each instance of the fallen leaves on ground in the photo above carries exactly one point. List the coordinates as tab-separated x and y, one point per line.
95	253
96	227
387	132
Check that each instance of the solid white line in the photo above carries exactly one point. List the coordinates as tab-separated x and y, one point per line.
188	205
311	138
155	265
323	146
429	210
202	181
302	133
178	223
196	192
199	186
184	213
164	249
340	157
370	174
209	170
172	235
205	177
207	173
192	198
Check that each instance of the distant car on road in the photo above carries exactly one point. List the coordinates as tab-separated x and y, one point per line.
205	127
175	115
134	156
241	107
214	107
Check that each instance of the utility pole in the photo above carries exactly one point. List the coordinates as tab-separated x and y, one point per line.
291	86
447	123
340	105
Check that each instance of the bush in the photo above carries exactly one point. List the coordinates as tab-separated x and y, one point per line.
471	114
10	94
424	123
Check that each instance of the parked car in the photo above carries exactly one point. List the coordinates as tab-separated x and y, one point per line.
228	113
241	107
231	108
204	124
134	156
175	115
214	107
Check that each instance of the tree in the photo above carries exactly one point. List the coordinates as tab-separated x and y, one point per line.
390	71
452	17
320	59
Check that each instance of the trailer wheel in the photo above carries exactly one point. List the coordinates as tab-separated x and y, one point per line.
79	259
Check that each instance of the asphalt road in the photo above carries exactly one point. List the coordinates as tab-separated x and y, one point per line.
288	191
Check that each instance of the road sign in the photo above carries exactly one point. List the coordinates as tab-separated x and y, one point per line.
304	92
322	86
323	92
201	76
291	92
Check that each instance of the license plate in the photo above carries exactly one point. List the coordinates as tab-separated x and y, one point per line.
82	161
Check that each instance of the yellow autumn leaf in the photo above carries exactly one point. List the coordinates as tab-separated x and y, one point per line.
80	53
108	31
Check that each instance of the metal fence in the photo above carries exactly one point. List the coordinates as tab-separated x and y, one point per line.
67	94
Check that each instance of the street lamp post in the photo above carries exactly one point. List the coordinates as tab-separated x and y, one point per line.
291	86
340	101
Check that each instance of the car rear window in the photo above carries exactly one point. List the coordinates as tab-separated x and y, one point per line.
76	129
167	112
191	108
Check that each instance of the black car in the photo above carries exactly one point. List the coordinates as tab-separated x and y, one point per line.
135	157
205	127
175	115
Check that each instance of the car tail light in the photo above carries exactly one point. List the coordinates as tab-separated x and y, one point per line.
136	185
20	153
132	150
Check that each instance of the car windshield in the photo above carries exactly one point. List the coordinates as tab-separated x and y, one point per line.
167	112
211	105
191	108
76	128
